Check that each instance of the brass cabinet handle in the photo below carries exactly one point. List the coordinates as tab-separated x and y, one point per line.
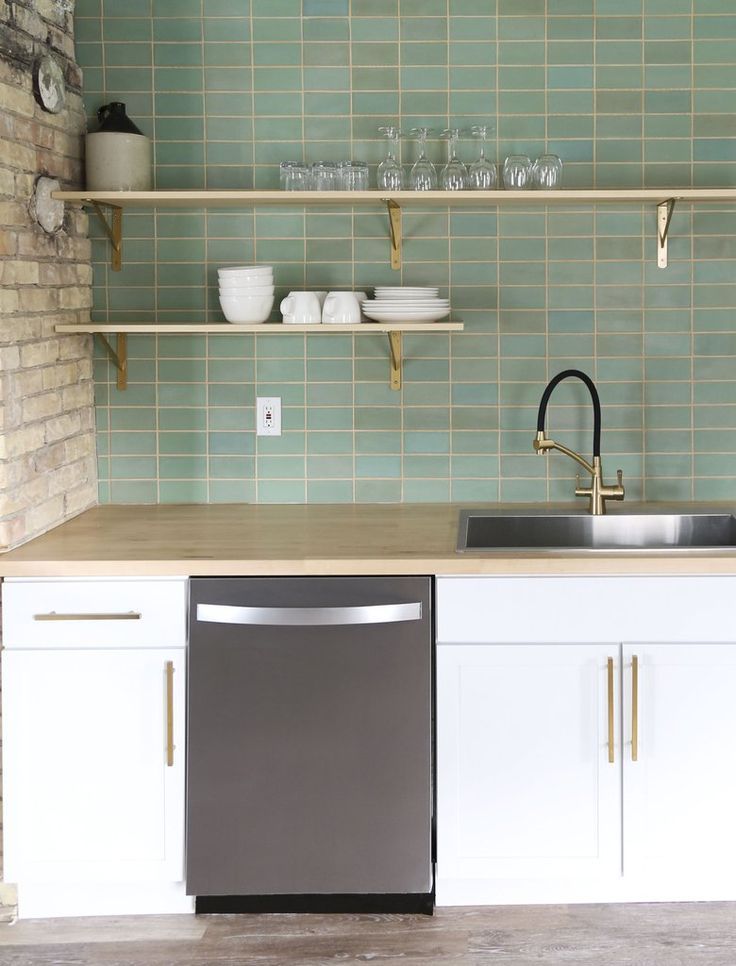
635	708
169	714
611	757
53	616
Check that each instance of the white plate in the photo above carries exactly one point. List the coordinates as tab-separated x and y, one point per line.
407	294
404	303
427	315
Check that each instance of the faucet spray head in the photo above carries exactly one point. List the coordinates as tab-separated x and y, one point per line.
539	440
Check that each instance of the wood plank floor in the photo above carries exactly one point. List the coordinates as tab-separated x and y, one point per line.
680	934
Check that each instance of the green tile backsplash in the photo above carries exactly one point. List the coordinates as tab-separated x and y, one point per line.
627	92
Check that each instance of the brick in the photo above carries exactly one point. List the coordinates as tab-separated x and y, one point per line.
18	272
63	426
40	518
8	300
16	100
41	407
38	299
16	155
77	397
24	440
39	354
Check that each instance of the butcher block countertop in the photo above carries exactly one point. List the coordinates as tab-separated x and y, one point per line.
267	540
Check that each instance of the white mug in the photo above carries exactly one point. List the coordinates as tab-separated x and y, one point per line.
341	308
301	308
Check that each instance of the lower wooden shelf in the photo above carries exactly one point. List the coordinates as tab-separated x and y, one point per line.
119	354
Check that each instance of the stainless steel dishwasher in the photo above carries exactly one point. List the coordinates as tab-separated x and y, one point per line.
309	782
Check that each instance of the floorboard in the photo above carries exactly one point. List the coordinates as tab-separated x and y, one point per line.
682	934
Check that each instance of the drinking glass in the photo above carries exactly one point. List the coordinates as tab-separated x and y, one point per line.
295	176
324	176
390	174
516	172
547	172
454	175
482	174
354	176
423	176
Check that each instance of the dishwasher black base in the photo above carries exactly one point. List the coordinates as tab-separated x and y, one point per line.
411	903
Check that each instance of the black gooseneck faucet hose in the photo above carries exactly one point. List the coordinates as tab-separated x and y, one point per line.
576	373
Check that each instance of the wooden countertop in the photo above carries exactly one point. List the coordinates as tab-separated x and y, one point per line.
264	540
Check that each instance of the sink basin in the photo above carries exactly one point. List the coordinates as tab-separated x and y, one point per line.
481	530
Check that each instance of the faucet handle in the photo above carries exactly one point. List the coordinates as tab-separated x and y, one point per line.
620	477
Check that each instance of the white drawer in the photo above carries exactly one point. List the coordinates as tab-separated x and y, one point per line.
567	610
99	612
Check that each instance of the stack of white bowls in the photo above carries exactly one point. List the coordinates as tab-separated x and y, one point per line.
246	293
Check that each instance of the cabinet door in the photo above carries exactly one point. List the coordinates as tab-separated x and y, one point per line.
526	789
680	775
90	795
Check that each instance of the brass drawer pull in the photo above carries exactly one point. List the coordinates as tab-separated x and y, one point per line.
611	757
169	714
53	616
635	708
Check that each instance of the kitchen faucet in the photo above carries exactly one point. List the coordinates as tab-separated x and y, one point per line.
598	492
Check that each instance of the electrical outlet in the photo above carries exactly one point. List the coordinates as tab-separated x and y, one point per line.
268	415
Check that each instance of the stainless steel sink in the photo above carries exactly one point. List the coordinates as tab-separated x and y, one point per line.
488	531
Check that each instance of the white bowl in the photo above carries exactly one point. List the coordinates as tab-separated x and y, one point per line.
247	281
253	291
247	310
246	270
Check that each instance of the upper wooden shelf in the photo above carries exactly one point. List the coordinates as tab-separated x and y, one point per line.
225	199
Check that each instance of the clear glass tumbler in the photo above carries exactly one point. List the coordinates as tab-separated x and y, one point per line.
390	174
482	174
295	176
325	176
547	173
517	172
423	176
354	176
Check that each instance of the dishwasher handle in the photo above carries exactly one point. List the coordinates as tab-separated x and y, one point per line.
309	616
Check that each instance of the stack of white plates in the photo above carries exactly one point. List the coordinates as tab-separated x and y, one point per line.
246	293
406	305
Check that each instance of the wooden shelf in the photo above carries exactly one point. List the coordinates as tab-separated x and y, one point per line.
119	354
223	199
664	198
266	328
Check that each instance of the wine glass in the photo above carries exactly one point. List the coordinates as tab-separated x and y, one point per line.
547	172
454	175
423	175
482	174
390	174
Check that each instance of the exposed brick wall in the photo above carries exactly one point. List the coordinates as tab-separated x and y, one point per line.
47	448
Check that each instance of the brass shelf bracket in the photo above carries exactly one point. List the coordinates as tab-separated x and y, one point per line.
118	356
665	211
394	342
114	231
394	224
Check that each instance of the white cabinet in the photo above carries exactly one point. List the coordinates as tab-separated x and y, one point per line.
680	782
94	746
526	788
530	807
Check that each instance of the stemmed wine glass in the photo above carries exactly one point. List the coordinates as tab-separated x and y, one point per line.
482	174
454	175
390	174
423	175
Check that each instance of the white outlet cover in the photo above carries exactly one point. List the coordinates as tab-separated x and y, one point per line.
268	416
